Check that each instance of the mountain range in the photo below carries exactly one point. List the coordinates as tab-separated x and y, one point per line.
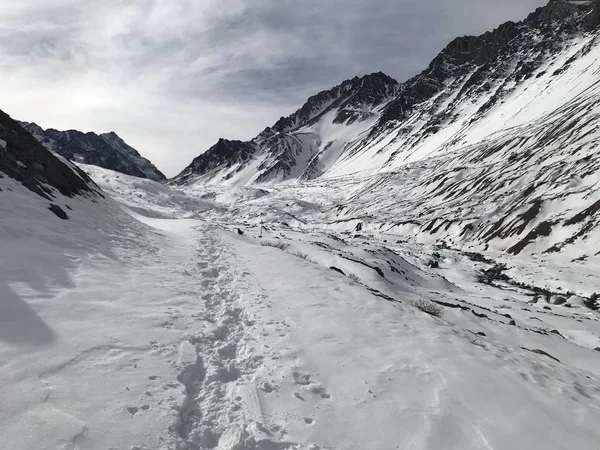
373	124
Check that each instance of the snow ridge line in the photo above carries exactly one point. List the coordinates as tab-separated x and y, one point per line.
215	362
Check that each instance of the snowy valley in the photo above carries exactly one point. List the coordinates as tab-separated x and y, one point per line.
395	265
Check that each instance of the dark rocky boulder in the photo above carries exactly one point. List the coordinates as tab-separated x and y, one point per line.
60	213
337	270
559	300
433	264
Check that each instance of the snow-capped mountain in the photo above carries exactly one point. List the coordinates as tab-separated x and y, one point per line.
106	150
503	155
302	146
477	87
494	145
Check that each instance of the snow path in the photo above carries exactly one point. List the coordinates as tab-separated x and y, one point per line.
119	331
214	361
352	371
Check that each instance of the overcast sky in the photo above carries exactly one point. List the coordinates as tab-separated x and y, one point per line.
172	76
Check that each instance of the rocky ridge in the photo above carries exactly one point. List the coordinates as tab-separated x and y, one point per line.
105	150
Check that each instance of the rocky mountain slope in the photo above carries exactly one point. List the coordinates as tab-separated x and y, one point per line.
373	124
492	147
106	150
29	164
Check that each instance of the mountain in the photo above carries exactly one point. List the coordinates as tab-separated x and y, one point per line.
372	124
106	150
493	146
503	156
24	160
302	146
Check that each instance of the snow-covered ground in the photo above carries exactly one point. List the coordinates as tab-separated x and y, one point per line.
147	322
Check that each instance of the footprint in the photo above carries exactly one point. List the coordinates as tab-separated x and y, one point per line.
267	387
315	388
325	395
303	380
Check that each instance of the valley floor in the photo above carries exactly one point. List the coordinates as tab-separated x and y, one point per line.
172	331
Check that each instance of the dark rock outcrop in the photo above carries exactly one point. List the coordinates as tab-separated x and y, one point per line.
60	213
106	150
24	159
223	154
337	270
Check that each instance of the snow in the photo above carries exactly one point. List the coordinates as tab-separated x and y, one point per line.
146	322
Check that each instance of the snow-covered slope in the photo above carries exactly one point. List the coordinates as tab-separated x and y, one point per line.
426	278
106	150
485	86
127	329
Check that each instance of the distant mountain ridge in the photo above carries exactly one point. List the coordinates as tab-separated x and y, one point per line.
372	124
105	150
25	160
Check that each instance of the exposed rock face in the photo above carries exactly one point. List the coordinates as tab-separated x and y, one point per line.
60	213
24	159
224	153
348	100
106	150
593	20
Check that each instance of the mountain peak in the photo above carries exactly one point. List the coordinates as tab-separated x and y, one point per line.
561	10
106	150
355	93
304	143
111	135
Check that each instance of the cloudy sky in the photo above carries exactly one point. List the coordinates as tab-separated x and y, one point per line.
172	76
